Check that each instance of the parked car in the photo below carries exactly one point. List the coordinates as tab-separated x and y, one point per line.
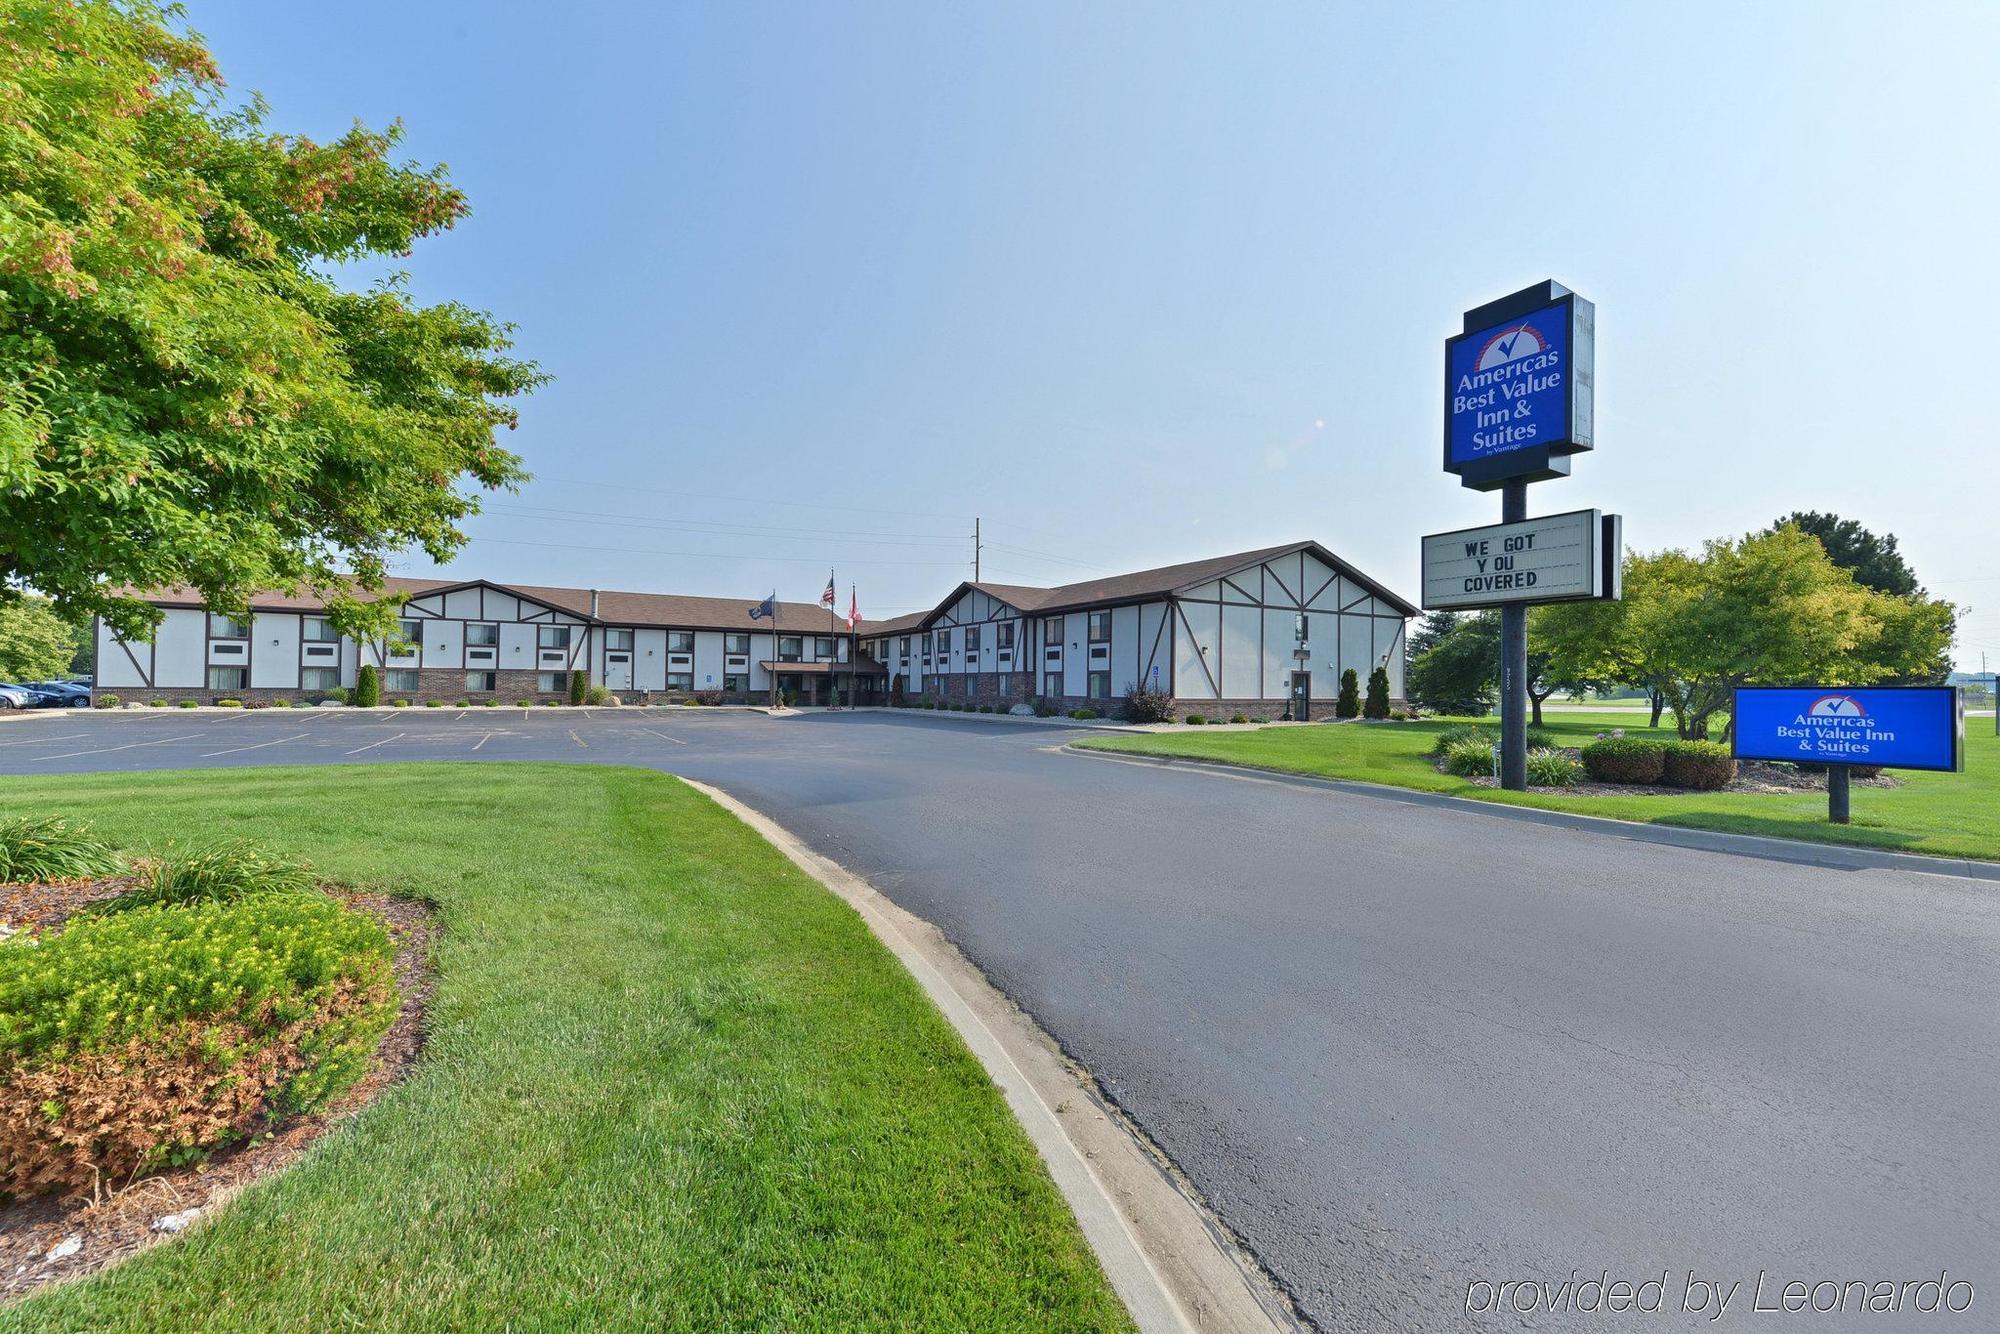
62	694
13	697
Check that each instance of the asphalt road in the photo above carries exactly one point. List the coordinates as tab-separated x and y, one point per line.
1402	1050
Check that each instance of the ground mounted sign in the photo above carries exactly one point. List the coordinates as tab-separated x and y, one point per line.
1557	558
1892	727
1519	391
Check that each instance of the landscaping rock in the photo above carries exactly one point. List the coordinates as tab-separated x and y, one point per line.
175	1222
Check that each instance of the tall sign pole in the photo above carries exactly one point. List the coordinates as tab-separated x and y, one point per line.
1519	382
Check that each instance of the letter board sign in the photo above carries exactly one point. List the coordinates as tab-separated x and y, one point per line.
1895	727
1557	558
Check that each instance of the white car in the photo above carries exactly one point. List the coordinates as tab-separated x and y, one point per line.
13	697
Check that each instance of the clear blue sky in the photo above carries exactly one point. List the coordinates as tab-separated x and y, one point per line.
1138	284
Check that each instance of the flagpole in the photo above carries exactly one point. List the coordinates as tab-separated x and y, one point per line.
833	668
774	648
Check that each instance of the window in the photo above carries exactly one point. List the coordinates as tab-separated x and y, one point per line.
226	678
481	635
972	639
791	648
903	646
1052	684
736	684
1003	635
400	678
736	644
1006	685
944	641
680	680
823	647
1100	685
550	683
552	636
319	630
618	639
482	682
1052	630
226	627
1100	628
319	678
412	631
679	641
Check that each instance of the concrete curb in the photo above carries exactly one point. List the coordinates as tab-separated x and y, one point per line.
1834	856
1172	1264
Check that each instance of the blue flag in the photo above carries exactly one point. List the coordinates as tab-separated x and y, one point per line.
768	607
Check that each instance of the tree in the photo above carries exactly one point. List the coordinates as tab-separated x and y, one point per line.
1460	672
1430	632
367	687
35	643
579	687
1874	561
1574	647
186	397
1348	705
1378	694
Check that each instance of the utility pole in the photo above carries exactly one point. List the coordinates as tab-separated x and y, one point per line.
976	544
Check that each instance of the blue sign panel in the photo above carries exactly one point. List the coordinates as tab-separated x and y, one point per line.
1897	727
1509	387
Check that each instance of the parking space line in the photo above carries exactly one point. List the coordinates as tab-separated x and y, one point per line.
106	750
484	737
259	746
664	737
44	740
371	745
579	740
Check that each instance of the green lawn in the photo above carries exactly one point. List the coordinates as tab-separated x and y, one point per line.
1955	815
671	1082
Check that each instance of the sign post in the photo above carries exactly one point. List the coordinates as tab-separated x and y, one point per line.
1885	727
1519	399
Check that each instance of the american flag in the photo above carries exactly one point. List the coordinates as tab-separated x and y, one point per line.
828	598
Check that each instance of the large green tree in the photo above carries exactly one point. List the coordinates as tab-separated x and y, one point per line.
186	394
35	643
1872	559
1455	663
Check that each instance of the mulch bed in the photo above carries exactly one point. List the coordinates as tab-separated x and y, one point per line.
50	1239
1751	776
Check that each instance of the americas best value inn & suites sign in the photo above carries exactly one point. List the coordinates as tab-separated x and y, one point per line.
1556	558
1519	394
1896	727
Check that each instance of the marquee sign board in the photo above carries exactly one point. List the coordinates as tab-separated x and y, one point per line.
1557	558
1519	388
1895	727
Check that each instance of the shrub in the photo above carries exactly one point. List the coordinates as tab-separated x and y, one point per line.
579	687
1625	759
986	708
190	704
1084	713
1552	768
1378	694
1195	720
430	703
229	704
135	1040
1541	738
48	847
367	687
602	695
551	703
1046	711
1469	757
338	695
1451	736
1348	705
399	704
106	701
1703	766
708	697
220	872
525	703
156	704
491	703
1239	718
281	704
1400	715
1146	703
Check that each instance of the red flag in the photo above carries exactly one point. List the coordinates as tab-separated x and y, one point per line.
853	608
828	598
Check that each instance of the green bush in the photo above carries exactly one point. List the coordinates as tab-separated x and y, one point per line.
551	703
1378	694
106	701
219	872
986	708
281	704
367	687
142	1038
156	704
1084	713
48	847
1469	757
190	704
1451	736
1348	705
1195	720
1703	766
229	704
433	703
1625	759
602	695
337	695
1239	718
1552	768
399	704
1400	715
1541	738
491	703
525	703
1046	711
579	687
1146	703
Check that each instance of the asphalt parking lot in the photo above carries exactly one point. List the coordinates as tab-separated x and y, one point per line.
1401	1049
